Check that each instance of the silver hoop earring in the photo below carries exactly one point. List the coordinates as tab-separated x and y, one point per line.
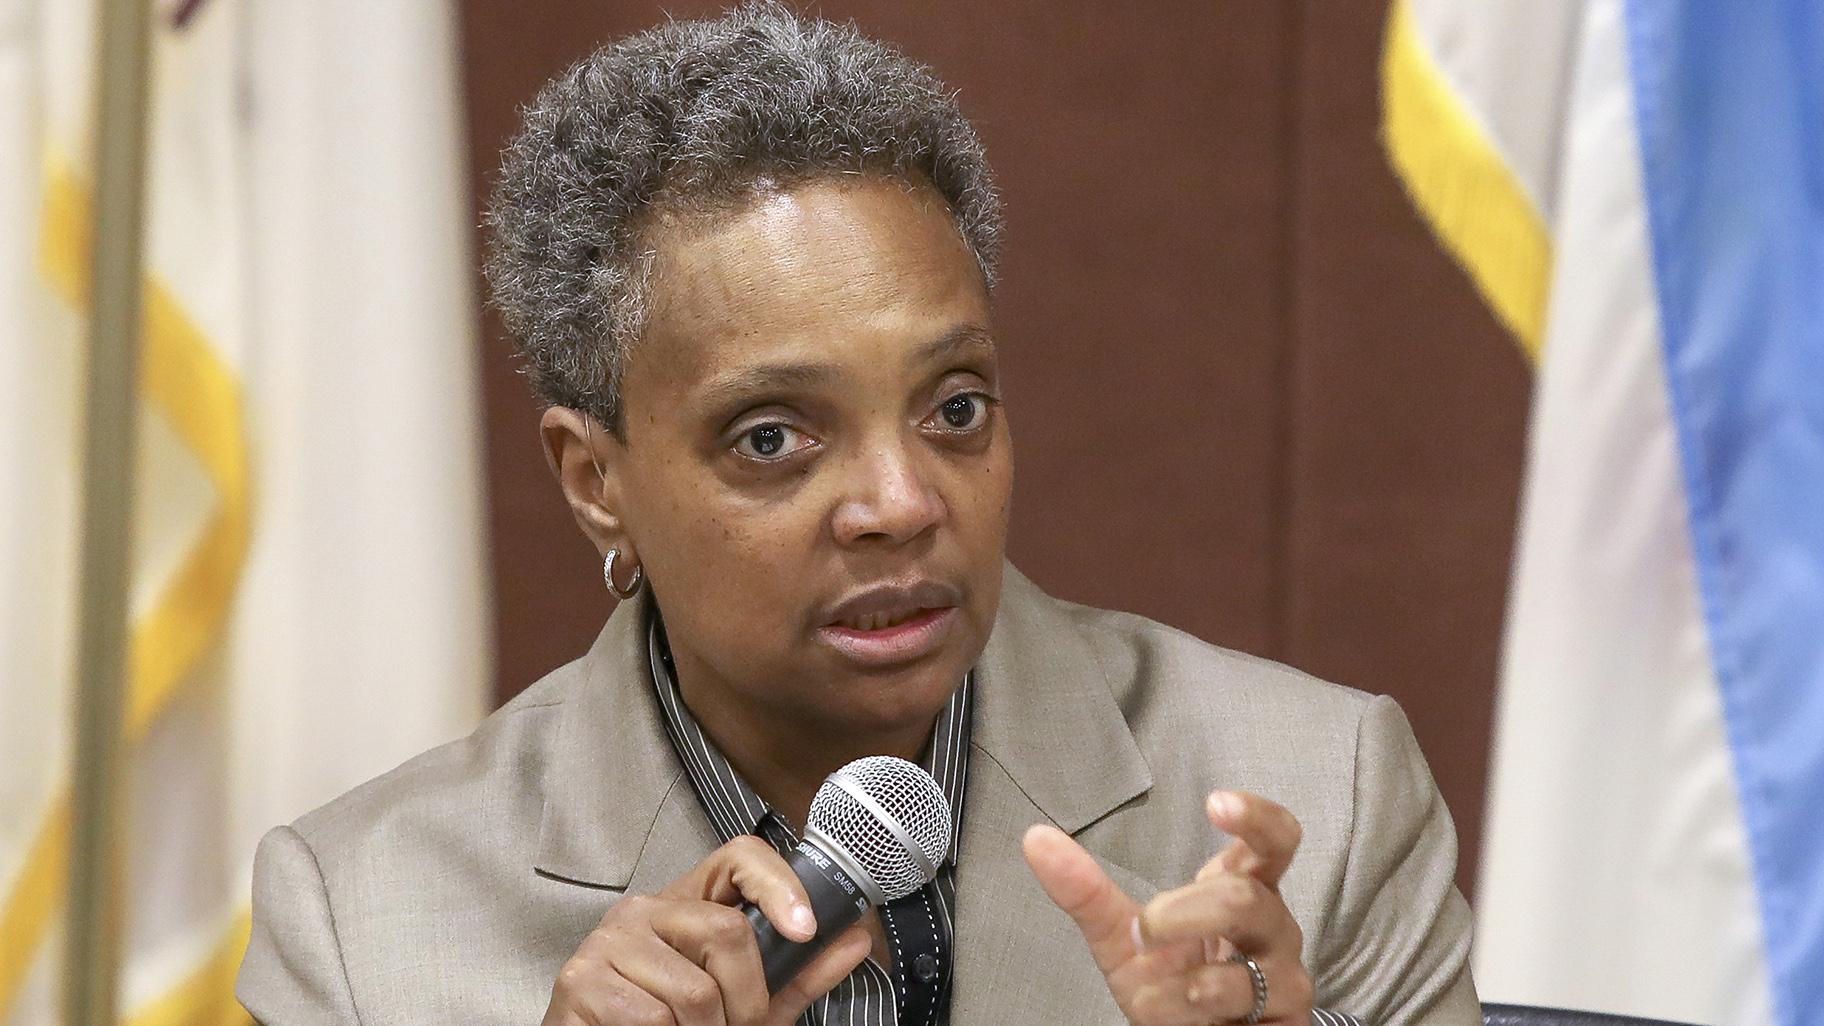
633	586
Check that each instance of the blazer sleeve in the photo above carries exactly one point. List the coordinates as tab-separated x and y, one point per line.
1395	950
293	974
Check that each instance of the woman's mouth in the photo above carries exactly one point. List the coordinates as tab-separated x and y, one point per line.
890	638
880	621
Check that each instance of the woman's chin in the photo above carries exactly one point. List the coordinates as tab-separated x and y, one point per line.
889	705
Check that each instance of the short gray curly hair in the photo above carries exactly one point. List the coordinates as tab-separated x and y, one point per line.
699	115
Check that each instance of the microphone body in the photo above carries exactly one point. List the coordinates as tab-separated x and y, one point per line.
877	831
836	900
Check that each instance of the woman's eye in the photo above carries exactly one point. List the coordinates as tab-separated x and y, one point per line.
963	412
770	442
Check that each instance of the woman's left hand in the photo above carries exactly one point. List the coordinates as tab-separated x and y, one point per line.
1167	962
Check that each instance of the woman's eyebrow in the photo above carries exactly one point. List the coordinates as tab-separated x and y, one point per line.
763	378
964	339
737	385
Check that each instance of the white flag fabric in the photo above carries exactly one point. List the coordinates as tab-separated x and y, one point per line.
308	587
1635	188
40	367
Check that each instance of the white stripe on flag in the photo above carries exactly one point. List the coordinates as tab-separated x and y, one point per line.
1615	874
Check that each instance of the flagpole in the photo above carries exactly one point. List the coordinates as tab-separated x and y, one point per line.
93	925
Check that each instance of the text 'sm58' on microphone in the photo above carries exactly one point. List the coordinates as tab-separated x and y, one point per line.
878	829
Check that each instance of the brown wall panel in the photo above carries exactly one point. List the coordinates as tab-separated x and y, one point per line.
1408	410
1141	304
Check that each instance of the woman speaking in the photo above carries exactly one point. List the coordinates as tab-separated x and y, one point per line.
749	262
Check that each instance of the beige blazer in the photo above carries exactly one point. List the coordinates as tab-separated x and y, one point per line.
453	888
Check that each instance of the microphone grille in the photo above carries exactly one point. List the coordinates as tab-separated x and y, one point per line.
909	798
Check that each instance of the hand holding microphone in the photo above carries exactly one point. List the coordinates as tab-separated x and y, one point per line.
878	829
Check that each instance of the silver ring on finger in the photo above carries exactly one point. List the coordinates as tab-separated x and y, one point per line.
1259	981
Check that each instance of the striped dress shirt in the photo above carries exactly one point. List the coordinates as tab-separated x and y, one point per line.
915	989
915	992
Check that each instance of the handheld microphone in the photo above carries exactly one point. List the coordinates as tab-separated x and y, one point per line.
877	831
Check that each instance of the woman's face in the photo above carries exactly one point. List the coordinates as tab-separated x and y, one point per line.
816	468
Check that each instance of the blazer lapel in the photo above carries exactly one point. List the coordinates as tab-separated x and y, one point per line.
1050	744
620	813
1018	958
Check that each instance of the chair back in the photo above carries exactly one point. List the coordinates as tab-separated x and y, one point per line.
1531	1015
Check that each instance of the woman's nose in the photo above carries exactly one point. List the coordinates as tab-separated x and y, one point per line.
890	500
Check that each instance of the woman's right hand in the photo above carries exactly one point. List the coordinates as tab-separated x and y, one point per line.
687	956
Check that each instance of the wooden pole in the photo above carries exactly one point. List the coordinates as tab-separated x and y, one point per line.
93	923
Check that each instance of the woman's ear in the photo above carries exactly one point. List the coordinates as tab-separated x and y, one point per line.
586	459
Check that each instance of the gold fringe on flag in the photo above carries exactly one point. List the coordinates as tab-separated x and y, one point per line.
1462	185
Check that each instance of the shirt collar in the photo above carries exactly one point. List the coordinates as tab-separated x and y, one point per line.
734	808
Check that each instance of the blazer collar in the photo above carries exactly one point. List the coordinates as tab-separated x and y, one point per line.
1047	715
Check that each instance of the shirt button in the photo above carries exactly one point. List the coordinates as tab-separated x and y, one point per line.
925	967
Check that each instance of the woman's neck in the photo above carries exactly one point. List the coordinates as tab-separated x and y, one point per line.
786	759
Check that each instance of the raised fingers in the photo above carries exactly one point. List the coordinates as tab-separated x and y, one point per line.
1222	992
1233	906
1201	995
1266	836
1076	884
